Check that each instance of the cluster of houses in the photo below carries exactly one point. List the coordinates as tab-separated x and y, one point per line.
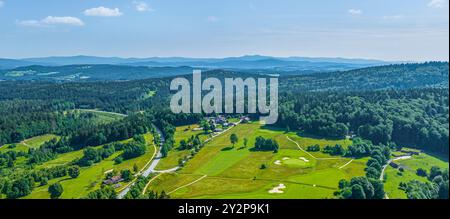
222	121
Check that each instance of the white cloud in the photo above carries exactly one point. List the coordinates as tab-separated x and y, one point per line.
212	19
437	3
355	11
142	6
63	20
103	12
52	21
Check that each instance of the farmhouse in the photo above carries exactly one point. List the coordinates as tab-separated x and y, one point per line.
410	152
394	165
245	119
220	120
227	124
113	180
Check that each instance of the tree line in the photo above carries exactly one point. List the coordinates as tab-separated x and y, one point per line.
414	118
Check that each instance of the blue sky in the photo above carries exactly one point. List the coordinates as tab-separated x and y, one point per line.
415	30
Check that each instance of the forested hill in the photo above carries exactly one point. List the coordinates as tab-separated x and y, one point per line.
410	118
401	76
108	94
75	73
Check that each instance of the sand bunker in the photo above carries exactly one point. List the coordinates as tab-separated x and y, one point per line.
278	162
286	158
277	189
304	159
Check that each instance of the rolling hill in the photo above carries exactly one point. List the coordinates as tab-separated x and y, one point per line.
243	62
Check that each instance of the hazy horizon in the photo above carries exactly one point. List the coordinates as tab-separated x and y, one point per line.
209	57
401	30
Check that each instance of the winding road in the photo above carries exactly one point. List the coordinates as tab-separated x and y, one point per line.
387	164
151	168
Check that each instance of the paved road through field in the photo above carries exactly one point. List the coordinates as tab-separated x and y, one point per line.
387	164
151	167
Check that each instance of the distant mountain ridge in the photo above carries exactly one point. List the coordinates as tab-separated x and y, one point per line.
431	74
243	62
14	63
90	72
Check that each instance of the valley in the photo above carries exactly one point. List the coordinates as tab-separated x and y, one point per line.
333	139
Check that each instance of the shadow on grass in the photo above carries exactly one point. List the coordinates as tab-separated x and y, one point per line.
227	148
259	150
299	133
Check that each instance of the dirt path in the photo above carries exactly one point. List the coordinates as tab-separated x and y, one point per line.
126	189
99	111
151	168
301	147
220	133
346	164
168	170
26	144
197	180
317	158
148	183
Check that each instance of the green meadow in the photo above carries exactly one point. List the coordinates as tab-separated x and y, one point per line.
182	133
102	117
220	170
26	144
394	176
90	178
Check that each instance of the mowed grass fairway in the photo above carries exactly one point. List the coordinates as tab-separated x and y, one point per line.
220	170
410	166
182	133
90	178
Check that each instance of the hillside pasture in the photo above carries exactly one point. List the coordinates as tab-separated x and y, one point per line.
91	178
394	176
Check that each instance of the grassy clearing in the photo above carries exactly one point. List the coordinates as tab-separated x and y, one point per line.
63	159
410	166
37	141
90	178
149	94
102	117
26	144
19	147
